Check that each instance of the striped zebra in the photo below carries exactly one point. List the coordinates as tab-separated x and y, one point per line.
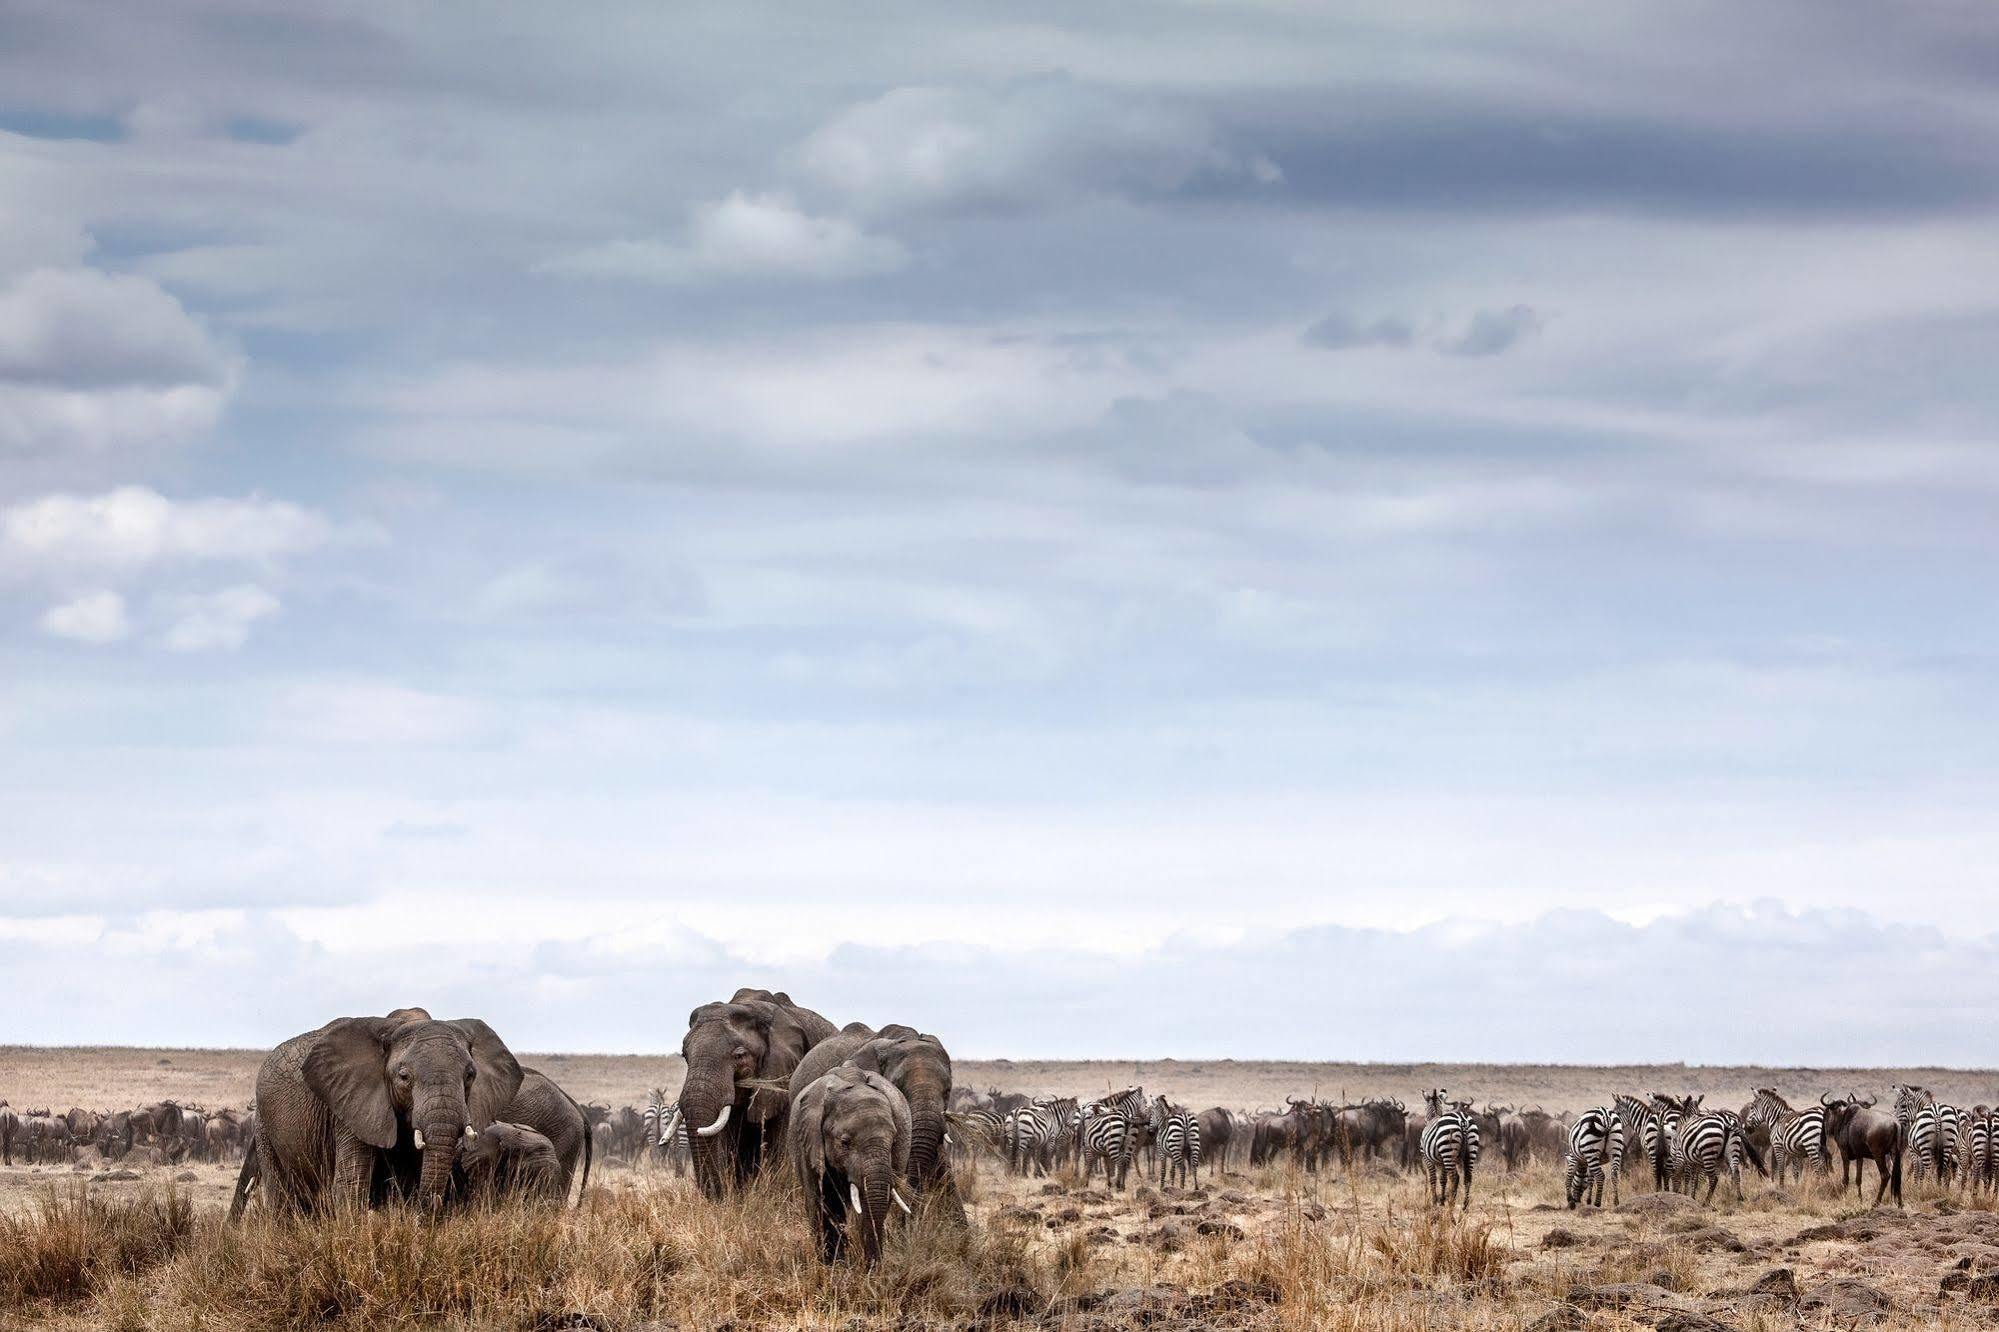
1178	1134
1708	1143
981	1128
1027	1137
665	1130
1595	1150
1061	1112
1931	1130
1105	1134
1978	1145
1644	1135
1449	1148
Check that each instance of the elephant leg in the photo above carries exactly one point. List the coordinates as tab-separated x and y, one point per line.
353	1171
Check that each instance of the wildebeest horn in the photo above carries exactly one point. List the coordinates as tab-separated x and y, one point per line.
1825	1098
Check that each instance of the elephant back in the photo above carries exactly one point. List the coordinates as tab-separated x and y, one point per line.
829	1054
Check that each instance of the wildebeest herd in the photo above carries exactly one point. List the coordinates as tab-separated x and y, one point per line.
164	1132
368	1111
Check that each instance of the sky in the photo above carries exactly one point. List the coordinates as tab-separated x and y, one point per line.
1388	531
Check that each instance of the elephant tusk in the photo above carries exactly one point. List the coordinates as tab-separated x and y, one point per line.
897	1195
470	1133
854	1196
721	1121
419	1139
947	1141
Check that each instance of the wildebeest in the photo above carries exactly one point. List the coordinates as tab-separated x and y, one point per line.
1865	1134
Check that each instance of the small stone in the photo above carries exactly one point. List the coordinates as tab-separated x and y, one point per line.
1559	1238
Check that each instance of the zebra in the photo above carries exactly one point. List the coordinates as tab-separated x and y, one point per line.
665	1130
1596	1150
1178	1134
1795	1136
1931	1129
1061	1112
1026	1134
1979	1149
1643	1134
1449	1148
1708	1142
1104	1133
981	1127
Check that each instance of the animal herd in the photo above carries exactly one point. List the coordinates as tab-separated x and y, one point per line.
371	1111
168	1132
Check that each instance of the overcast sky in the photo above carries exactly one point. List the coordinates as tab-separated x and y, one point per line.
1434	531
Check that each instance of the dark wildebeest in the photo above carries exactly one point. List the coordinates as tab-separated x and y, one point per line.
1510	1134
1865	1134
1217	1131
1273	1132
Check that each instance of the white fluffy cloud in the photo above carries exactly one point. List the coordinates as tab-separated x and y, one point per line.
94	617
134	526
91	359
1006	146
217	621
745	236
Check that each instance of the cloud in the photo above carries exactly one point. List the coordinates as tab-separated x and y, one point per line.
133	527
745	236
1010	145
1338	331
217	621
1485	333
94	360
1491	332
94	617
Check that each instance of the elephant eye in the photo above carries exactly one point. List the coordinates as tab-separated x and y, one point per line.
742	1049
403	1073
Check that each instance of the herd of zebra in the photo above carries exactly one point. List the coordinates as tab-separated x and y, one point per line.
1685	1144
1033	1136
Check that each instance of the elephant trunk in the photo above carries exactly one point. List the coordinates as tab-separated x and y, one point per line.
875	1189
440	1153
702	1100
926	1141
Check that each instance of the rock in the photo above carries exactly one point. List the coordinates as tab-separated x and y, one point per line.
1778	1281
1560	1239
1561	1318
1012	1299
1664	1279
1017	1214
1624	1295
1982	1287
1066	1215
1228	1228
1953	1281
122	1174
1686	1320
1312	1211
1051	1188
1169	1238
1234	1197
186	1177
1849	1299
1714	1237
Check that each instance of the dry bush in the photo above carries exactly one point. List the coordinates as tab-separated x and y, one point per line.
71	1243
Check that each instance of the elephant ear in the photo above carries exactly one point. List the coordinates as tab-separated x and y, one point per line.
496	1076
808	1117
347	1069
788	1042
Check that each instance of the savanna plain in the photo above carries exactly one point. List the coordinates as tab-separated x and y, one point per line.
142	1244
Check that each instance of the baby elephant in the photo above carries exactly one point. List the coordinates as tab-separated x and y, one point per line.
849	1141
509	1161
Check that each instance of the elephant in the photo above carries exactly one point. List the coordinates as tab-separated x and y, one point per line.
757	1036
365	1109
544	1107
10	1128
510	1161
849	1142
920	1067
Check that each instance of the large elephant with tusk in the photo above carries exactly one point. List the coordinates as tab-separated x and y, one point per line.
366	1109
736	1126
849	1142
